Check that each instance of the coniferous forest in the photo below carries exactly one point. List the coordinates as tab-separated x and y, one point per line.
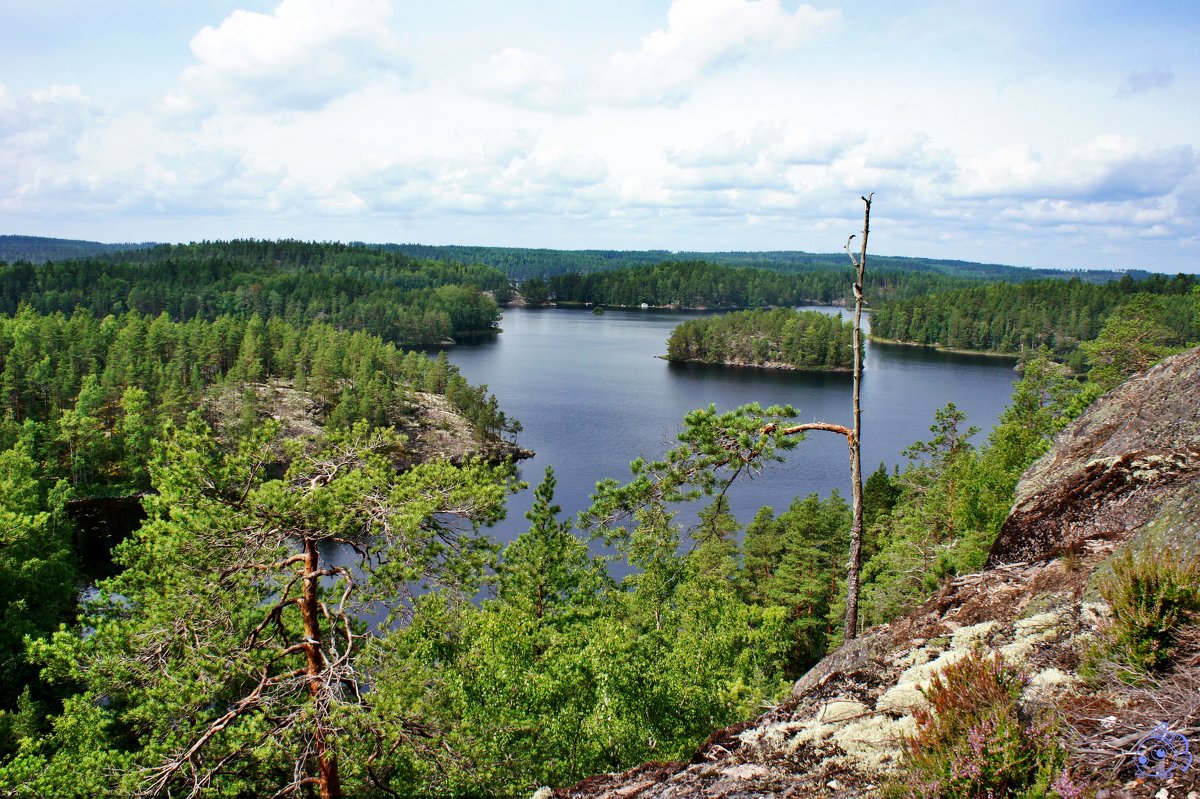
324	607
403	300
1005	317
703	284
781	338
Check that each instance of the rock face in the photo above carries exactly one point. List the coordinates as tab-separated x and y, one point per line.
1126	472
1105	472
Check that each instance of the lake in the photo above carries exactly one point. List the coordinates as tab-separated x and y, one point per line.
593	395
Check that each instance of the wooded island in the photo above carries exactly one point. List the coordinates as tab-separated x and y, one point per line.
781	338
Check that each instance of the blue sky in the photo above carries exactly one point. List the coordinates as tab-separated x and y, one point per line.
1036	133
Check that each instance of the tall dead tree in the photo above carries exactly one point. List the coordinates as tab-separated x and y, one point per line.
853	434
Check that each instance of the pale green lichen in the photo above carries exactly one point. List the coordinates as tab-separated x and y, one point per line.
874	742
1029	633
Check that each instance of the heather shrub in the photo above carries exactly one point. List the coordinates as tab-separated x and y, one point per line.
972	740
1153	593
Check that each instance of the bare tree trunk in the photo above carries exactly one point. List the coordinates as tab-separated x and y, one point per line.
310	610
856	487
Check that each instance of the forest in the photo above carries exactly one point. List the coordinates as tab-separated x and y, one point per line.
781	338
703	284
324	612
521	264
409	302
1058	314
40	249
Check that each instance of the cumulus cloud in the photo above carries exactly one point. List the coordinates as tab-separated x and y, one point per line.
725	150
700	36
1141	82
910	150
1143	215
513	173
811	147
775	161
1108	168
523	78
40	137
300	56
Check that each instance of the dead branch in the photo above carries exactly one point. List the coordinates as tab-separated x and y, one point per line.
801	428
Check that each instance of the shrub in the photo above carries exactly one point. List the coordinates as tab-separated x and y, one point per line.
972	741
1153	593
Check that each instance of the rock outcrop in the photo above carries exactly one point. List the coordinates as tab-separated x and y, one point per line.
1127	472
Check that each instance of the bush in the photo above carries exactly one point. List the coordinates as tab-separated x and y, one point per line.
1153	593
972	741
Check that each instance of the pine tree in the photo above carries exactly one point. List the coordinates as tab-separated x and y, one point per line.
546	570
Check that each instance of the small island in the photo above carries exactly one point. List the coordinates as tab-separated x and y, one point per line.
781	338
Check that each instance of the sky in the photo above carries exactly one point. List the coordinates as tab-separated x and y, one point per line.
1049	133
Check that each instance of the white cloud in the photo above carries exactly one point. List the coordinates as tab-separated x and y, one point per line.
525	122
1106	168
813	147
522	78
702	35
909	150
40	135
300	56
1142	215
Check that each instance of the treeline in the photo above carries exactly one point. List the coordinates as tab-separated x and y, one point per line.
701	284
400	299
86	395
780	338
1057	314
39	249
521	264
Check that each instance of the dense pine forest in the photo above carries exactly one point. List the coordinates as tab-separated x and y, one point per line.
521	264
409	302
1061	315
703	284
39	249
322	607
782	338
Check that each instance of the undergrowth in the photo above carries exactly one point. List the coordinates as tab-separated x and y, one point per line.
972	740
1153	593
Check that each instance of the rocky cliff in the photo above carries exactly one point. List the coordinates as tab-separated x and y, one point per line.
1126	473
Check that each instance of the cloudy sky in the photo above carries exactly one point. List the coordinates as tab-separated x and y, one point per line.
1035	132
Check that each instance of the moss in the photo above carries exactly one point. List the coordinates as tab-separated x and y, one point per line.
1041	603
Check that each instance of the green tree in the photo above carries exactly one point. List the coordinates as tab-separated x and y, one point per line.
36	572
1131	340
546	570
136	432
81	431
226	655
535	292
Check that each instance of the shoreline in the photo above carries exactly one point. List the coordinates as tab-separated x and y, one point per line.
774	366
939	348
571	305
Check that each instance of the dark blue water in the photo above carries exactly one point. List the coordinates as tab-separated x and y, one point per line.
593	395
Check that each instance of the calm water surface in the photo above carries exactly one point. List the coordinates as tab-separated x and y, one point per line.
593	395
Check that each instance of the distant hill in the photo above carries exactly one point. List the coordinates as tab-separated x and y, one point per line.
521	263
524	263
39	250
